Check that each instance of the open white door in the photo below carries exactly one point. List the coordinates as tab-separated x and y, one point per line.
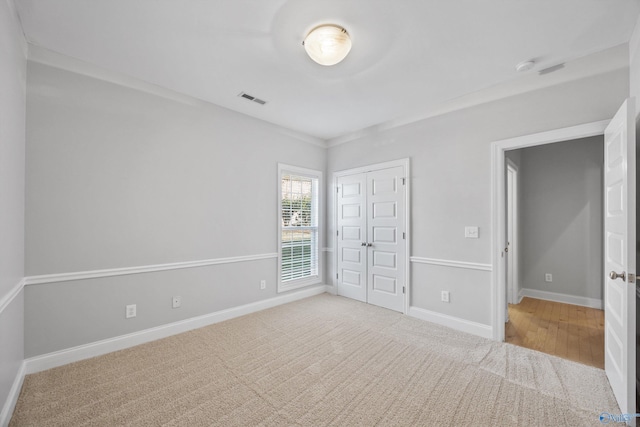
620	252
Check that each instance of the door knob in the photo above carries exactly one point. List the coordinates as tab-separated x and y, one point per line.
363	244
369	244
613	276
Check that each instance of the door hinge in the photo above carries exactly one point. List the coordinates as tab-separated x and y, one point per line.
404	181
403	290
337	232
404	235
337	189
336	275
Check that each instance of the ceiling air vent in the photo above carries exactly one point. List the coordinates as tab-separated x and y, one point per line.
251	98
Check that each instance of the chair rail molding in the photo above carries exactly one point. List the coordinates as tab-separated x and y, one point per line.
452	263
65	277
8	298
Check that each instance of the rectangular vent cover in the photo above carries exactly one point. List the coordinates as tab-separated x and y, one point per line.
252	98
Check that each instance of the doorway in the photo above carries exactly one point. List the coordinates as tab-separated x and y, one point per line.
619	239
561	194
371	234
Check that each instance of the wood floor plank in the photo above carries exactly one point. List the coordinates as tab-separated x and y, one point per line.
550	343
573	348
564	330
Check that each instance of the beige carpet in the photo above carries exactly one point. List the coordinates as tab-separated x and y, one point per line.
325	360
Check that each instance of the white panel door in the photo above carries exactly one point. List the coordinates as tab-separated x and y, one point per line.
352	237
385	240
620	252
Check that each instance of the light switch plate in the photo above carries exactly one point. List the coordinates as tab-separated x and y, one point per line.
471	232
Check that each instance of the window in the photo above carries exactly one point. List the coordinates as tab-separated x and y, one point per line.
299	227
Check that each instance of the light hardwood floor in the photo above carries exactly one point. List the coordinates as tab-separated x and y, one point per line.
569	331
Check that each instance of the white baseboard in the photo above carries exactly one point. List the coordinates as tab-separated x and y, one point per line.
485	331
12	399
564	298
74	354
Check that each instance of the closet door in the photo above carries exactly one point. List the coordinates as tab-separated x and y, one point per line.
352	237
385	233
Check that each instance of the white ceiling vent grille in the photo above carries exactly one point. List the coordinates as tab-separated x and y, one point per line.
252	98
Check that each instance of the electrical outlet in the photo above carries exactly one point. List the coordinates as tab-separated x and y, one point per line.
176	302
130	311
548	277
444	296
471	232
263	284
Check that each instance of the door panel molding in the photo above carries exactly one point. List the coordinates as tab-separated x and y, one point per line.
620	256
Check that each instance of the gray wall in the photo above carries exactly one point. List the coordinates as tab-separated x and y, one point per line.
561	217
122	177
12	127
451	179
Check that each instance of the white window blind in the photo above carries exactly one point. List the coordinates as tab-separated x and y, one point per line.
299	248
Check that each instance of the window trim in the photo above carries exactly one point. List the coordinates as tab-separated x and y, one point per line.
307	281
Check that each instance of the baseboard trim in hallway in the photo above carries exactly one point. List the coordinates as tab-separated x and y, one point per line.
563	298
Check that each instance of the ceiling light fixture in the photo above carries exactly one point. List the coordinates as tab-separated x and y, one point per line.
327	44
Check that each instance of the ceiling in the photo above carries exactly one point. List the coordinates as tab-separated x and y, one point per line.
408	58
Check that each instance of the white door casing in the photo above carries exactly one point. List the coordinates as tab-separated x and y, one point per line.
385	229
352	232
620	252
499	210
512	229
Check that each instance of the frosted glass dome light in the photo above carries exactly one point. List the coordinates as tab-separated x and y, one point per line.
327	44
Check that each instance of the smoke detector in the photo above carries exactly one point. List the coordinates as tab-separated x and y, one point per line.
525	66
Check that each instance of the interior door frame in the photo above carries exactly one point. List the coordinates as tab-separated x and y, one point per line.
407	216
498	206
513	247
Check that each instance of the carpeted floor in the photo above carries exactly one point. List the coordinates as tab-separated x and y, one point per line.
324	360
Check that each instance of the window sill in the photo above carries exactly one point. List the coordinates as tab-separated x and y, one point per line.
289	286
